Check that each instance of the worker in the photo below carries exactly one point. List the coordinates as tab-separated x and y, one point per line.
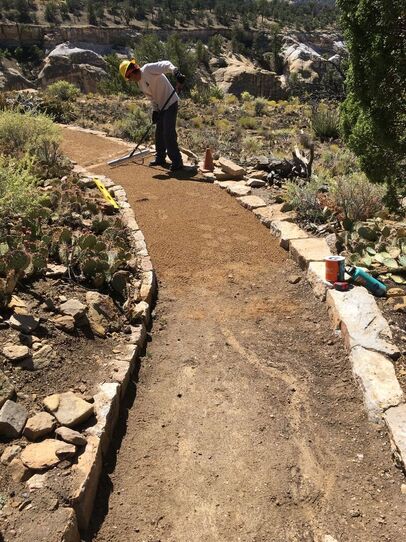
152	81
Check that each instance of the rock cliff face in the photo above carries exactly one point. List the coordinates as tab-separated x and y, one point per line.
239	75
82	67
11	77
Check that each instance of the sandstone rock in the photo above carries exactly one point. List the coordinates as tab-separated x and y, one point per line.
286	232
252	202
401	305
395	419
46	454
146	291
82	67
11	78
241	75
294	279
17	303
361	321
304	251
68	408
39	425
101	312
74	308
19	472
12	419
37	481
26	323
222	175
7	390
10	453
56	270
255	183
395	292
43	357
66	323
273	213
230	167
71	436
316	275
239	189
140	312
376	376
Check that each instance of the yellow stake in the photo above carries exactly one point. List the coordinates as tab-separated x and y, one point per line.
105	193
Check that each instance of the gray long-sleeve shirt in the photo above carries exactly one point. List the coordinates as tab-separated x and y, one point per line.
156	86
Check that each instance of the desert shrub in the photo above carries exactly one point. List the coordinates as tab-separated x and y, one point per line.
338	161
357	197
231	99
63	91
22	133
223	125
248	123
251	146
133	126
305	199
246	96
18	192
261	105
325	122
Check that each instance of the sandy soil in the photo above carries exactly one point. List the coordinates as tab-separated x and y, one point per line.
244	423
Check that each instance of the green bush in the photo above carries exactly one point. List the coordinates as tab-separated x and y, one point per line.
22	133
261	105
134	125
63	91
358	198
325	122
18	192
305	199
249	123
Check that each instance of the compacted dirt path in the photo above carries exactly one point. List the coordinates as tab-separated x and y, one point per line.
246	425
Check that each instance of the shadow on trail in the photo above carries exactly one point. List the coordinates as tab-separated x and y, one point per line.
101	505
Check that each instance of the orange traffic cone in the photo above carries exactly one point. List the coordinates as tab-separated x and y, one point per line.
208	163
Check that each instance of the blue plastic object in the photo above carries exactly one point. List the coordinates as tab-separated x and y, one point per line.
359	276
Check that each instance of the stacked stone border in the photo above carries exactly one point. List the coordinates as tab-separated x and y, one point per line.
366	333
108	400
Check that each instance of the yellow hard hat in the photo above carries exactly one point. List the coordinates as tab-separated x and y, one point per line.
125	64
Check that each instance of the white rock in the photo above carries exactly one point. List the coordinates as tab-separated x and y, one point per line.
26	323
252	202
316	275
73	307
230	167
286	232
395	419
376	376
255	183
15	352
361	321
304	251
71	436
46	454
239	189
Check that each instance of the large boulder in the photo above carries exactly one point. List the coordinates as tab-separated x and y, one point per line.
82	67
11	77
241	75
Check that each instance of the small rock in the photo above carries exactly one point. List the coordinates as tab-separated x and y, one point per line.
403	489
66	323
26	323
56	270
19	472
16	302
294	279
43	357
401	306
15	352
101	312
7	390
46	454
39	425
395	292
139	311
62	298
255	183
74	308
36	482
10	453
12	419
68	408
71	436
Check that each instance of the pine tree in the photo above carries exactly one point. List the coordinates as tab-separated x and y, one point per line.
373	115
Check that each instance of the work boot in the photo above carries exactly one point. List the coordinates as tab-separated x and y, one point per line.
158	162
176	167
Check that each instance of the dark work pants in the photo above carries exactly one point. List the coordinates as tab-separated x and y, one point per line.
166	138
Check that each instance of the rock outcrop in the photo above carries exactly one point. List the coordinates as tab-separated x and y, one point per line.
241	75
82	67
11	77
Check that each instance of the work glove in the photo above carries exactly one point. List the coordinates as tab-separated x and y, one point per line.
155	117
180	78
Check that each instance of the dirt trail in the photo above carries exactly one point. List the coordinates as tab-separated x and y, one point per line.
246	425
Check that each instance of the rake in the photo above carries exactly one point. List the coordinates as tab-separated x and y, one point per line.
141	154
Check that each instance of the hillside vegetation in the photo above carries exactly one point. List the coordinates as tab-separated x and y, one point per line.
308	14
